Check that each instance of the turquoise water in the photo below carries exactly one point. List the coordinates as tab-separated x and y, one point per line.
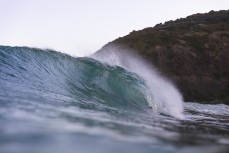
52	102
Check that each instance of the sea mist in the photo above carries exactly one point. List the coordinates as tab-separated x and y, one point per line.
162	94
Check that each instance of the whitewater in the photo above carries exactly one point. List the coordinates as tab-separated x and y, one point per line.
109	102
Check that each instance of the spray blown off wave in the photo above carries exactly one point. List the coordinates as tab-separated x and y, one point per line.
163	96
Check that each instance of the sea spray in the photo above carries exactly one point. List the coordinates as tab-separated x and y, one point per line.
162	95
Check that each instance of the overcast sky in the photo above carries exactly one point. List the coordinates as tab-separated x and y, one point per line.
80	27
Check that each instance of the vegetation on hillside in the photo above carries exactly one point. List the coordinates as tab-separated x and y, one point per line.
191	51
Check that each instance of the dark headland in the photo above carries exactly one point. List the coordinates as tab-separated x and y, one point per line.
193	52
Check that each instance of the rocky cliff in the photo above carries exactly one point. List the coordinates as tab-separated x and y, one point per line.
193	52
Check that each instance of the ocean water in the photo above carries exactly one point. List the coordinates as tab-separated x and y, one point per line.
52	102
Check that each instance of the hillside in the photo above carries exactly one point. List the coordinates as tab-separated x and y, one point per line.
193	52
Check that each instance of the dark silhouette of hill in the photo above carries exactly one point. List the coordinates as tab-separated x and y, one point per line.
193	52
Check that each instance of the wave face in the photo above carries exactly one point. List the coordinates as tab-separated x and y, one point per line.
87	82
52	102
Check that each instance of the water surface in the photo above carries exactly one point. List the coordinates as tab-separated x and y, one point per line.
52	102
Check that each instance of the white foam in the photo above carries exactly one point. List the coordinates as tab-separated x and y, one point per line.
163	96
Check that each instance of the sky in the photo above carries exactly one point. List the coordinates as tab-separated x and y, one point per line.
81	27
